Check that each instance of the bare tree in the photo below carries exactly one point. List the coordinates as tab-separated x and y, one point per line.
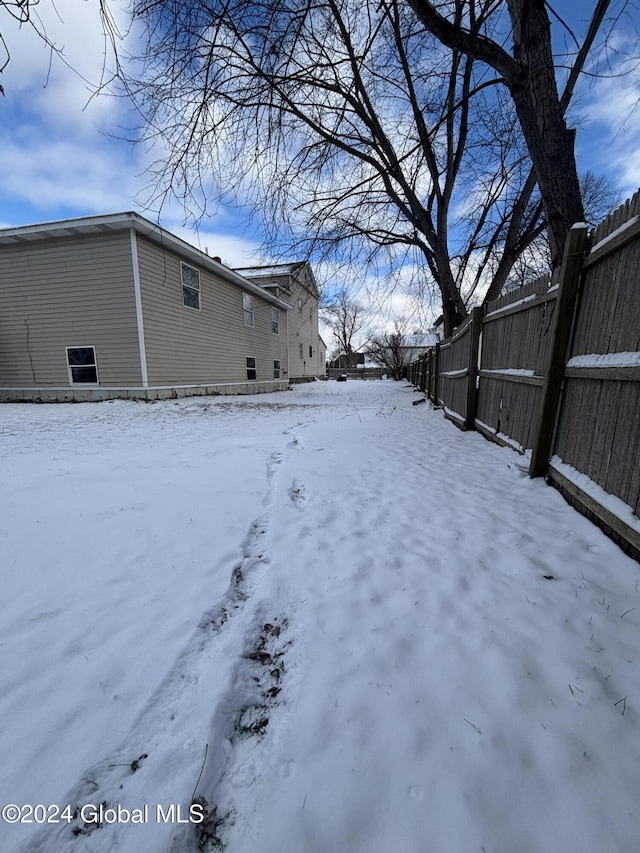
346	318
389	351
528	72
363	131
26	14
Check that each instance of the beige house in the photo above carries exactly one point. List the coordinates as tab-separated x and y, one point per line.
296	284
322	358
115	306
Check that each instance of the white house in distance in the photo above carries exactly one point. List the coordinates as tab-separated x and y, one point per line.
414	345
296	284
116	306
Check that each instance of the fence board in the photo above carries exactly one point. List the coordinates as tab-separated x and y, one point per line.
619	473
592	418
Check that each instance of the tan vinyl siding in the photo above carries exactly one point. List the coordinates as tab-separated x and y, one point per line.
67	292
303	329
210	345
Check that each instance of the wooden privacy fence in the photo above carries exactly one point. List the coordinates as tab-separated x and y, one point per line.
553	368
355	372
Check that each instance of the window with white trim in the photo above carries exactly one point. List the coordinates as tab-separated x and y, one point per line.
252	372
275	321
276	369
247	309
82	365
190	286
310	351
299	306
301	350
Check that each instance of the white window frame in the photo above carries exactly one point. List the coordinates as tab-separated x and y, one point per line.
70	367
276	368
301	350
275	321
299	306
254	368
248	309
190	287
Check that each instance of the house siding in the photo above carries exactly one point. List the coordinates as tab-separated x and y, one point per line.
188	346
304	327
67	292
294	288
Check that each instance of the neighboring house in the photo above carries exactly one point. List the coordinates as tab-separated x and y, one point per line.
347	362
413	346
115	306
322	358
296	284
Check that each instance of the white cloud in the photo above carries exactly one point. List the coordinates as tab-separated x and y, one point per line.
611	114
57	172
234	251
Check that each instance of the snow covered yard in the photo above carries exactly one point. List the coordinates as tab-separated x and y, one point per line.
339	623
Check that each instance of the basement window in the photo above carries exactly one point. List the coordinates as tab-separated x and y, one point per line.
82	365
276	369
190	286
252	373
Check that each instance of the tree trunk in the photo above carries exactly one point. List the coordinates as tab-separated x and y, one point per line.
550	142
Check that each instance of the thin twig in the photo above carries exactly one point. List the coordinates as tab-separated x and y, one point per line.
206	748
471	724
624	704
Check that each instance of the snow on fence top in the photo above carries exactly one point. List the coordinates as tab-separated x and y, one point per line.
617	218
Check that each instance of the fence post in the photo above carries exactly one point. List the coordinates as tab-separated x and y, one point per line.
472	377
423	378
436	368
563	316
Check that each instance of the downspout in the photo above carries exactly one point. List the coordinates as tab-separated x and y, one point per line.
286	313
139	315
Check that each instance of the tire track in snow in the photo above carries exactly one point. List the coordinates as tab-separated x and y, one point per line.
242	728
242	720
158	735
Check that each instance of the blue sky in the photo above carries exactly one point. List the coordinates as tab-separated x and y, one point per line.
59	159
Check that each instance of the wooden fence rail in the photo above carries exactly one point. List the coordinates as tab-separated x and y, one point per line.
553	369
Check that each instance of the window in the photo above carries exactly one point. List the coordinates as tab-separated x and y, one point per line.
82	365
247	309
301	351
252	373
275	321
321	357
190	286
299	306
310	351
276	369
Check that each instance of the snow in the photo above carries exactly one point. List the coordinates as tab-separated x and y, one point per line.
625	227
613	503
508	307
611	359
334	618
512	371
506	439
